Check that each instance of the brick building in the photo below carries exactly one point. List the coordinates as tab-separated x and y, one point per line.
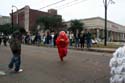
27	17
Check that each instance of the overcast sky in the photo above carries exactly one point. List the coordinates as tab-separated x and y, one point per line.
79	9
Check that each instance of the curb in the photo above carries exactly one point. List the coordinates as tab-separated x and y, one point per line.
95	50
102	50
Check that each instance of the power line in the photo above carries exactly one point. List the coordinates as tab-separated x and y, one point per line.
52	4
72	4
67	3
64	5
58	3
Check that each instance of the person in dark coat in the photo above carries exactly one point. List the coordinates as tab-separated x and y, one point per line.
48	38
88	39
82	39
77	39
55	37
5	39
15	45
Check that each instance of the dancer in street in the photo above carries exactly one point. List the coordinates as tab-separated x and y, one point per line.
62	42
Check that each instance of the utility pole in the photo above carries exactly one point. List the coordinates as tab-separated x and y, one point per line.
106	3
105	42
12	20
17	15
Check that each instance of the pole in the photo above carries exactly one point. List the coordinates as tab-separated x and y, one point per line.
12	20
17	18
105	41
17	15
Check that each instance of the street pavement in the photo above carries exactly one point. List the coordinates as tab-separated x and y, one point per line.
42	65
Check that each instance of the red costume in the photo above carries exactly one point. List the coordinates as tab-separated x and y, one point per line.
62	42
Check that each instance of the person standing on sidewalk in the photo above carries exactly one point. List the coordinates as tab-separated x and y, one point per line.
89	39
77	38
82	39
55	37
62	44
71	36
15	45
5	40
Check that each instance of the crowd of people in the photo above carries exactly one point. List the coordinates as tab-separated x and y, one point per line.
38	39
78	40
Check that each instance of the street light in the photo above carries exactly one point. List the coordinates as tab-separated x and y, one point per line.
17	16
12	19
106	3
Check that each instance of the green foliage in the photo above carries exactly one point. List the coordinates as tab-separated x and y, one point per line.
50	22
76	25
8	29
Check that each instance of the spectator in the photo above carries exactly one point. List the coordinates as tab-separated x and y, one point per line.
55	37
71	38
88	39
82	39
77	38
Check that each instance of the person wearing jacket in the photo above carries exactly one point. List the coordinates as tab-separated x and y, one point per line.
15	46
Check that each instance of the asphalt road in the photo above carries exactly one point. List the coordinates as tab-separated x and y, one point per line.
42	65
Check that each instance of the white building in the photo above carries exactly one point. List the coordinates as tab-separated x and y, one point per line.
5	20
115	32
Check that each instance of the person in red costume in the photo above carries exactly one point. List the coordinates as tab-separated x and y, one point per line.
62	42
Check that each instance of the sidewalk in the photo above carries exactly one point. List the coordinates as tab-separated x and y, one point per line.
107	50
